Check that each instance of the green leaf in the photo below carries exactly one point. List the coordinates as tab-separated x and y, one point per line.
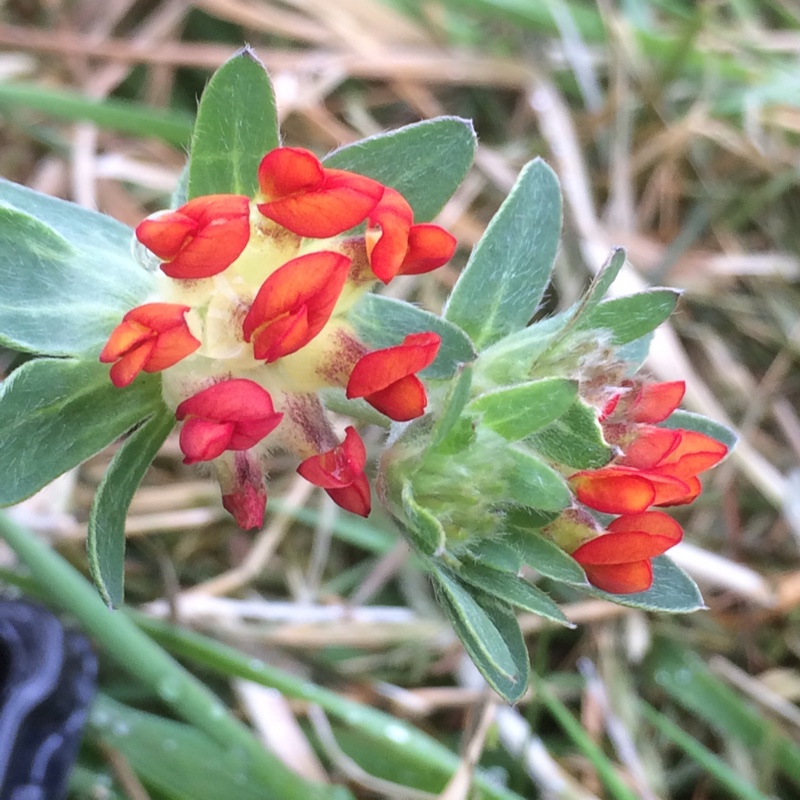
475	618
533	483
543	555
173	757
509	269
56	413
106	537
452	406
425	162
384	322
697	422
497	555
422	527
67	275
236	126
602	283
673	591
629	318
575	439
512	590
515	412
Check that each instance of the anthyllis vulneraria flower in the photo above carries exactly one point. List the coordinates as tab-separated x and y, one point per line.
249	321
654	466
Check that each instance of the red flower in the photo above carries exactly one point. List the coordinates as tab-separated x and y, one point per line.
619	561
340	472
232	415
294	303
311	200
151	337
386	379
399	247
201	238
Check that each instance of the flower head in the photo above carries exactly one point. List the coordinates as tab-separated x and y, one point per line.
270	327
201	238
151	337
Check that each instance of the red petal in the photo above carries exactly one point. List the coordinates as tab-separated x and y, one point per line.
236	400
387	249
131	364
613	490
608	408
621	578
305	288
166	234
244	494
159	317
380	369
650	447
622	548
240	407
355	497
429	247
202	440
339	467
654	402
246	506
652	522
310	200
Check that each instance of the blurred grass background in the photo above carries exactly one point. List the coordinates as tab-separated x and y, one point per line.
674	128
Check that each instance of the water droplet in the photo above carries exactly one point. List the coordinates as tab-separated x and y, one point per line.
240	778
217	711
148	261
257	665
662	677
169	745
120	728
683	676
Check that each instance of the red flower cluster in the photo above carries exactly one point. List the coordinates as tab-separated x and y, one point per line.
283	291
658	467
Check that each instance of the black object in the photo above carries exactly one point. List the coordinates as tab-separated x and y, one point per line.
48	678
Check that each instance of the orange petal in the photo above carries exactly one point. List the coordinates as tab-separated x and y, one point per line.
220	232
131	364
402	400
624	547
613	490
649	447
621	578
429	247
310	200
652	522
124	338
694	453
654	402
680	498
294	303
